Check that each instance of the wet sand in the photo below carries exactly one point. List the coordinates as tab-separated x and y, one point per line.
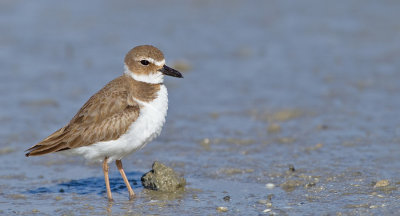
286	108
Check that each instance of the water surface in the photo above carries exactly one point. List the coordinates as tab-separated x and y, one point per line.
288	108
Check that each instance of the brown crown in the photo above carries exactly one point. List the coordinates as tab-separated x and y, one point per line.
135	55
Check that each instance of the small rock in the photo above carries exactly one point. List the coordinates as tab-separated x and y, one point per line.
264	202
162	178
291	185
206	144
227	198
267	210
35	211
270	186
222	209
195	197
291	168
382	183
309	185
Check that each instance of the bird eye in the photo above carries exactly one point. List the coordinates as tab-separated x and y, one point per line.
144	62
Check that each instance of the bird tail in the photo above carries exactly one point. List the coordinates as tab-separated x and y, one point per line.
52	143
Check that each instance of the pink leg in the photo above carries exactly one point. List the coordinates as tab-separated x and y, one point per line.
105	170
121	170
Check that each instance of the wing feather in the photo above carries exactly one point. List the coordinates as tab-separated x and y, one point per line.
105	116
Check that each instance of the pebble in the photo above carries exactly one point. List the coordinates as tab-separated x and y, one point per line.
227	198
291	185
267	210
206	144
270	186
382	183
222	209
263	201
206	141
162	178
309	185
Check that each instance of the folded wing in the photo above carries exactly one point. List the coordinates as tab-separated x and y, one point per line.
105	116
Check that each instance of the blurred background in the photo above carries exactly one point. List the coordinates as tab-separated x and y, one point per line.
286	108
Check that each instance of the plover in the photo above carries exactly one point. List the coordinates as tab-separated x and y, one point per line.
121	118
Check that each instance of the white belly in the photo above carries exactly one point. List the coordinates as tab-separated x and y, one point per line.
146	127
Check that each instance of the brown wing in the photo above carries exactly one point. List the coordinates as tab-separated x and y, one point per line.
105	116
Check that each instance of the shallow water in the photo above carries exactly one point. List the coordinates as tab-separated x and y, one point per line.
302	96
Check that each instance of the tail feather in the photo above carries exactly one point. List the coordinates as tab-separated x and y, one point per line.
52	143
44	149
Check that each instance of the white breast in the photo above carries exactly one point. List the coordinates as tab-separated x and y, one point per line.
146	127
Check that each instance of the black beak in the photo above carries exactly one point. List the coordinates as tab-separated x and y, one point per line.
170	72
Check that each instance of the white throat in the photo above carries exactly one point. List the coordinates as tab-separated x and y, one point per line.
154	78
